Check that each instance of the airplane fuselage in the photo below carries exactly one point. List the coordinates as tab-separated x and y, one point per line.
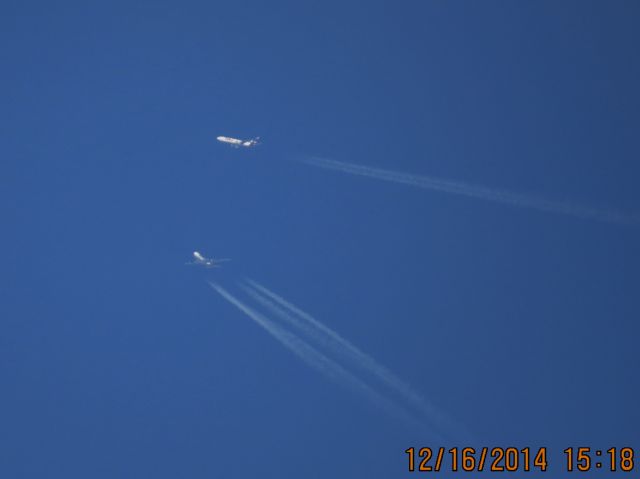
231	141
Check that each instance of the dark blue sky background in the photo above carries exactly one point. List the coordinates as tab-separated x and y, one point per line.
116	360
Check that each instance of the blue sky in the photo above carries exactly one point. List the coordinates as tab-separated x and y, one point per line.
116	360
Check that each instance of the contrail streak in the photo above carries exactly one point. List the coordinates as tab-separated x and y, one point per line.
474	191
320	333
316	360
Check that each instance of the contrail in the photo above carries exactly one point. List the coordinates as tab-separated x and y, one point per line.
475	191
320	333
318	361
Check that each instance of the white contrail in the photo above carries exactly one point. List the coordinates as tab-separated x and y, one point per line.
343	348
475	191
318	361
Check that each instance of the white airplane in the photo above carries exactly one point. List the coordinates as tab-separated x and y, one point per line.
200	260
238	143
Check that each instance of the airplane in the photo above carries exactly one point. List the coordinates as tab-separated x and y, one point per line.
238	143
200	260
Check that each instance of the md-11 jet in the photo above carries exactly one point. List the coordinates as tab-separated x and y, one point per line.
236	143
200	260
